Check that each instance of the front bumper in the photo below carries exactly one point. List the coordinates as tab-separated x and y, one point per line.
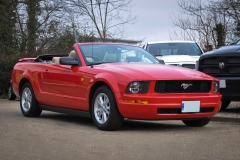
171	103
230	88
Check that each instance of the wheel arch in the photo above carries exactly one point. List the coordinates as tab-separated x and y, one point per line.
101	80
22	82
95	86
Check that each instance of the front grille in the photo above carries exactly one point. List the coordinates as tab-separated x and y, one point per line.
220	66
178	110
183	86
192	66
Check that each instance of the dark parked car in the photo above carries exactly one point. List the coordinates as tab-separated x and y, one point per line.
237	42
11	95
224	64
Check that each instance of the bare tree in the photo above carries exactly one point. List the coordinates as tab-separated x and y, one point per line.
7	26
196	23
35	19
231	10
207	22
105	17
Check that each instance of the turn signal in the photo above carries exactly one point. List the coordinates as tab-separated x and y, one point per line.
136	101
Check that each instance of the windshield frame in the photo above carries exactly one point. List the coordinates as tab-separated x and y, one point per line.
94	54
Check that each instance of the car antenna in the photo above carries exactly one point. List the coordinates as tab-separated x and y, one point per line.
92	45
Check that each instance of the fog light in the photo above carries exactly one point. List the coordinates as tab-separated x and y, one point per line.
136	101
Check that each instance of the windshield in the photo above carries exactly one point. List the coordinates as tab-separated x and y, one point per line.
109	53
165	49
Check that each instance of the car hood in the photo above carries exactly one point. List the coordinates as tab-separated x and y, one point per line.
142	71
229	51
179	59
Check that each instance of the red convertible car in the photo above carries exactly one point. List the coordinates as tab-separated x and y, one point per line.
109	82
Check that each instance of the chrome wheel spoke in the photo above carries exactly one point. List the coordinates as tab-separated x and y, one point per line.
26	99
106	101
100	101
107	111
104	117
101	108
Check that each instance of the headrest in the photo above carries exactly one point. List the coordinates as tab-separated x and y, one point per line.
73	54
56	60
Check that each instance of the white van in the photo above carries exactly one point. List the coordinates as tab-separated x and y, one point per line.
177	53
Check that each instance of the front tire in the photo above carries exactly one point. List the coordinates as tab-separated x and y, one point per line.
197	122
11	95
28	102
104	110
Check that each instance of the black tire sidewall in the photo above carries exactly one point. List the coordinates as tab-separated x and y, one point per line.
197	122
12	95
34	110
114	114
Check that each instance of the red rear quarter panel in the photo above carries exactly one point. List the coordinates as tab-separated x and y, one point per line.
29	71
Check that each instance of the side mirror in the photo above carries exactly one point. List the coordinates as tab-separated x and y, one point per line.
161	61
68	61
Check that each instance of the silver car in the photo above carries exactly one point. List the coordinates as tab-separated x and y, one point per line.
177	53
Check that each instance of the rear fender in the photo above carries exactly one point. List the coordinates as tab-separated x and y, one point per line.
28	76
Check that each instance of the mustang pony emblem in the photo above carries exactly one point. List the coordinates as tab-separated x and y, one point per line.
185	85
221	65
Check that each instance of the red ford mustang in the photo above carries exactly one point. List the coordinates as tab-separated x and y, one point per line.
109	82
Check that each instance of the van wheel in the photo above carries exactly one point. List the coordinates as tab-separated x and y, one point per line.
28	102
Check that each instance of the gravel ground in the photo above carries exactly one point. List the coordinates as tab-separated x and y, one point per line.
231	114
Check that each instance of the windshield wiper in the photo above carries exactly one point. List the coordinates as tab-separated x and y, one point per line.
158	55
91	64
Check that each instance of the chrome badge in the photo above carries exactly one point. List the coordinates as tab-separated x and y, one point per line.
185	85
221	65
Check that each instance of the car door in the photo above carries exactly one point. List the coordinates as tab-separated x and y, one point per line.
59	83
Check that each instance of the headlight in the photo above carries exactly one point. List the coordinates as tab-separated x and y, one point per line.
216	87
138	87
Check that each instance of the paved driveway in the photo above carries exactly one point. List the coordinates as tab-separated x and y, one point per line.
62	137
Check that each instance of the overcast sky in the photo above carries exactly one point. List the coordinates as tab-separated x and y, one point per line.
154	20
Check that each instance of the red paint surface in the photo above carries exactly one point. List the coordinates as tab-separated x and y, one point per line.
69	86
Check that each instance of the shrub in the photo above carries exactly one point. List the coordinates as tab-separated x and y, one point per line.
6	65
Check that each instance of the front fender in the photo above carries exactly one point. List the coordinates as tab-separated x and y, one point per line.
107	78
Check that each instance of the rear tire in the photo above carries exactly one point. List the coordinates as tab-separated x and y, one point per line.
104	110
28	102
197	122
225	104
11	95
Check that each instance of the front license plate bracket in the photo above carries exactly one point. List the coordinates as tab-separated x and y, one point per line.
190	106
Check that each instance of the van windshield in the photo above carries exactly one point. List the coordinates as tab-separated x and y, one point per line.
165	49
